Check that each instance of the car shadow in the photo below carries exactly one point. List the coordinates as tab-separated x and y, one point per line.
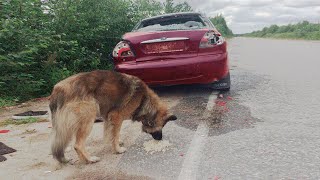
183	90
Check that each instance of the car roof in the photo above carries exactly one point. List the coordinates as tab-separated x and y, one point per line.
173	14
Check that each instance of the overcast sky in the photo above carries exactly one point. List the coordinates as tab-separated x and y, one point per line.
248	15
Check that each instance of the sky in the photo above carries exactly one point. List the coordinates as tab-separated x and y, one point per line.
244	16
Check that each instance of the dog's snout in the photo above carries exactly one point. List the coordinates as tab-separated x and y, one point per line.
157	135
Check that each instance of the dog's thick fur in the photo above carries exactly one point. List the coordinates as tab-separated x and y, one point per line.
76	102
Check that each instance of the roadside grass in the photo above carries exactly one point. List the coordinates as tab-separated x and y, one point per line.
22	121
290	36
4	102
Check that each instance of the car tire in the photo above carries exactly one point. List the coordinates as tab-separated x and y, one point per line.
223	84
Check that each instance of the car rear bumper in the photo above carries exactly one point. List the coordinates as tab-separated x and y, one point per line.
202	69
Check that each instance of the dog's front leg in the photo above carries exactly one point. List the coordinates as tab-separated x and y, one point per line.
116	122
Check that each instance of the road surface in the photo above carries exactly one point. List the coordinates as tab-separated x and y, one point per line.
266	127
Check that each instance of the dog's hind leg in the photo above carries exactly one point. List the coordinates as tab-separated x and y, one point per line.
81	136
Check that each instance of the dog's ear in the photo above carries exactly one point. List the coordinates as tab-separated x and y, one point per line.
171	117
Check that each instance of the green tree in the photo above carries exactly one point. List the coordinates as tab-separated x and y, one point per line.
24	42
302	30
171	7
140	9
220	23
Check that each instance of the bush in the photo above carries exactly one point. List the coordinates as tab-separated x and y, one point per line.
43	42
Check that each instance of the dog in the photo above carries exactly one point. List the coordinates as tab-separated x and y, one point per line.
76	101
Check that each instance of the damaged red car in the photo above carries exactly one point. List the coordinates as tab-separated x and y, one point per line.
172	49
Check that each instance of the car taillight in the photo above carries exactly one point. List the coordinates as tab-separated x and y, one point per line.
122	51
211	39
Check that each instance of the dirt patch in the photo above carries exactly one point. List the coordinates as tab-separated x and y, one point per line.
104	174
40	137
37	165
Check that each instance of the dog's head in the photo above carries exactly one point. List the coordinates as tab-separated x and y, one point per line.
153	125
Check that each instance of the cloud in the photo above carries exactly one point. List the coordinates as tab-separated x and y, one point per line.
249	15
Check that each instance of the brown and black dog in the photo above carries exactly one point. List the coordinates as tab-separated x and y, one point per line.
76	102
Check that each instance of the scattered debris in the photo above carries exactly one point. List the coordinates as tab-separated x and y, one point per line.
29	114
46	172
221	103
4	131
30	131
181	154
229	98
220	96
156	146
4	149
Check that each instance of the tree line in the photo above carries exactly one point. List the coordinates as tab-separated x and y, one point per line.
303	30
44	41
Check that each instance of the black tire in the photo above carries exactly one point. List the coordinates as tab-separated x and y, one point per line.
223	84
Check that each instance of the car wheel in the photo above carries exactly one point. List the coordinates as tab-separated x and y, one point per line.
223	84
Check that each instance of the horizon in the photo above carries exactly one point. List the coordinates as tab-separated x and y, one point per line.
245	16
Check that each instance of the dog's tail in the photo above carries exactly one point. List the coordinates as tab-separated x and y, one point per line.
63	125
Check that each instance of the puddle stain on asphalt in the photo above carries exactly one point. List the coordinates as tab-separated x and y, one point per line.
227	115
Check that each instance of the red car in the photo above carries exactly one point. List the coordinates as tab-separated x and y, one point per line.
172	49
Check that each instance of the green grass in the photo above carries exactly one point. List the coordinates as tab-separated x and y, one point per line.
7	101
22	121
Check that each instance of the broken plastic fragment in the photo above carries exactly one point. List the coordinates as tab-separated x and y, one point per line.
221	103
4	131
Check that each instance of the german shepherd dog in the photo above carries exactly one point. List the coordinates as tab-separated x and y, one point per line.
76	102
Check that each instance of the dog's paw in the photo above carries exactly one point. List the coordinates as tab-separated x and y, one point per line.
94	159
121	150
65	161
73	161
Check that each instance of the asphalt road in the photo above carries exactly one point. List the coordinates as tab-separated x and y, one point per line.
269	130
266	127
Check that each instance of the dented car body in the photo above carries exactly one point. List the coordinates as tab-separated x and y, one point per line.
172	49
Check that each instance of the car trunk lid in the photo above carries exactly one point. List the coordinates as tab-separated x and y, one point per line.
167	45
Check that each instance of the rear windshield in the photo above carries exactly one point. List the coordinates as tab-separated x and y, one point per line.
171	23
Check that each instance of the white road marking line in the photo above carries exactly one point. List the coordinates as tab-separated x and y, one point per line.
192	159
